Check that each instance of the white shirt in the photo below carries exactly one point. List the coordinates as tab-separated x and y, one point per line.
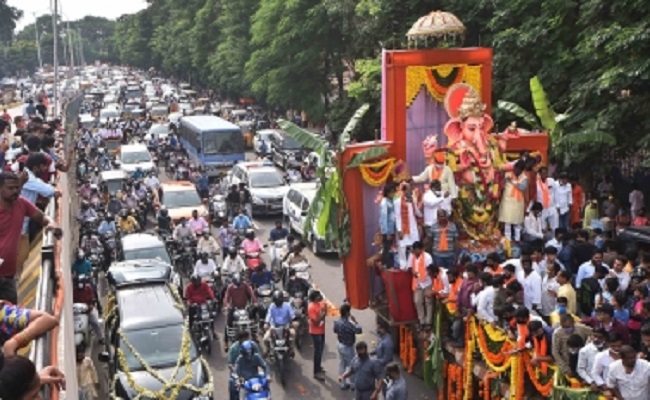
586	270
533	226
601	366
204	270
623	279
632	386
152	182
519	271
586	359
412	264
413	235
432	202
485	304
636	200
548	301
554	243
532	289
231	267
563	197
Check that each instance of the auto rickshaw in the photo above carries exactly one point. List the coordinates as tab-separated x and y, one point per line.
113	180
248	130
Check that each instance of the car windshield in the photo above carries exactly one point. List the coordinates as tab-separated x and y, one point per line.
131	107
290	143
181	199
159	130
228	142
113	185
159	347
148	253
135	157
159	111
108	114
266	179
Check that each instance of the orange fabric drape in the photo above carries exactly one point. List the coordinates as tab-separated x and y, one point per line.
404	213
418	265
436	172
514	191
578	200
494	271
522	335
453	294
540	348
443	244
437	284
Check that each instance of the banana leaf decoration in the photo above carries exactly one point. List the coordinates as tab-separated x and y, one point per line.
329	210
519	111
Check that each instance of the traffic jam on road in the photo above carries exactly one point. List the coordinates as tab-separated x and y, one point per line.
192	241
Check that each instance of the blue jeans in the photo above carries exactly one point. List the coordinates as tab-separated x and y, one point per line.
319	347
346	354
564	220
444	261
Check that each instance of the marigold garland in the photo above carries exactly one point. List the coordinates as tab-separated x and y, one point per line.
534	373
376	174
468	358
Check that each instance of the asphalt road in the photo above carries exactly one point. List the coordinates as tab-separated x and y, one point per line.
327	275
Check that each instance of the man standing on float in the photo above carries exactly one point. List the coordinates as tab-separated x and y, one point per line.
438	171
405	222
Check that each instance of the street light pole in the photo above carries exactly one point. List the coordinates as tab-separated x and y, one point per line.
82	59
38	43
71	47
55	34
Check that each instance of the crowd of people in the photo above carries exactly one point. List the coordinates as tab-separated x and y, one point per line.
576	292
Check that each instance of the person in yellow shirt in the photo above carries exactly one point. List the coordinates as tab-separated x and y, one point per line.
561	309
566	290
127	223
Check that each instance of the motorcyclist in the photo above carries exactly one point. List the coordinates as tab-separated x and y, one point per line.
127	223
138	173
164	221
251	244
152	182
207	244
197	293
296	285
114	205
233	263
293	258
95	197
279	232
140	191
242	221
131	200
81	265
291	242
84	293
84	189
225	237
280	314
197	223
205	267
245	198
232	201
87	214
234	350
262	276
202	185
107	225
183	231
238	296
248	365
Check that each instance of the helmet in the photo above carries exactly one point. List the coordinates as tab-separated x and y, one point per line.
232	251
246	349
124	213
250	234
236	280
195	279
80	255
278	298
84	205
110	217
164	212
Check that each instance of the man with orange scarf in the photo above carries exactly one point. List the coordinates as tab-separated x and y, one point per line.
405	221
439	171
512	207
444	235
545	197
418	264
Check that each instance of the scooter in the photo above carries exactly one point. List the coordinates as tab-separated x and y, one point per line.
218	208
81	324
257	388
279	250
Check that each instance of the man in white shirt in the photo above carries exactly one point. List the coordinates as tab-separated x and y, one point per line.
550	287
636	200
152	182
533	224
233	264
407	227
439	171
484	300
588	269
525	254
604	359
433	200
532	284
546	197
205	267
557	239
563	200
418	262
587	355
618	272
628	378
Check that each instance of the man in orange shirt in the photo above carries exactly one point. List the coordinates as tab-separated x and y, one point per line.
316	313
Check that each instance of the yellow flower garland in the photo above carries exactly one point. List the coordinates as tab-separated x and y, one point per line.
377	178
172	385
418	76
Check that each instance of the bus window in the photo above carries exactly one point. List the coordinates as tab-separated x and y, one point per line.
223	142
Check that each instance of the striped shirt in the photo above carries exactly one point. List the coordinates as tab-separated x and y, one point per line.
452	236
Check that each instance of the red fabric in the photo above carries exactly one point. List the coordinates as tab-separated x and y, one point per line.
198	295
239	296
85	295
11	225
313	311
400	295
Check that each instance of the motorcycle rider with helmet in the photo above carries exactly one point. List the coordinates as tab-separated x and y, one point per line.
295	285
127	223
183	231
280	314
85	293
107	226
205	267
164	221
238	296
197	293
233	264
87	214
248	365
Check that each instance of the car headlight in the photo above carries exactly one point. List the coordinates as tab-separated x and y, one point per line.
257	200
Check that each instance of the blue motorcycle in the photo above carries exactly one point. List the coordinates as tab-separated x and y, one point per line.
257	388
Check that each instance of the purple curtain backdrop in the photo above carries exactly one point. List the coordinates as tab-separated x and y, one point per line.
425	117
371	218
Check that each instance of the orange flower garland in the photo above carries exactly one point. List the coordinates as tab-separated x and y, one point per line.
533	374
494	359
376	174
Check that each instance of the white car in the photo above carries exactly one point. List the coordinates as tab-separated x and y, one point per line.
134	156
295	207
263	135
265	182
159	131
108	114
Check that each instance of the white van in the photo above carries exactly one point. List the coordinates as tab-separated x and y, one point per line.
295	206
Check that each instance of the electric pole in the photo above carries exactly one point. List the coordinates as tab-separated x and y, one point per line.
38	43
55	33
82	59
71	49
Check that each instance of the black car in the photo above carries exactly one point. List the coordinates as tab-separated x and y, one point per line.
129	273
148	321
286	152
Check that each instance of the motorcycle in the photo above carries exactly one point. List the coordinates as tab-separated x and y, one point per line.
204	316
257	388
279	250
264	295
218	208
81	324
252	259
241	321
299	305
302	271
280	350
